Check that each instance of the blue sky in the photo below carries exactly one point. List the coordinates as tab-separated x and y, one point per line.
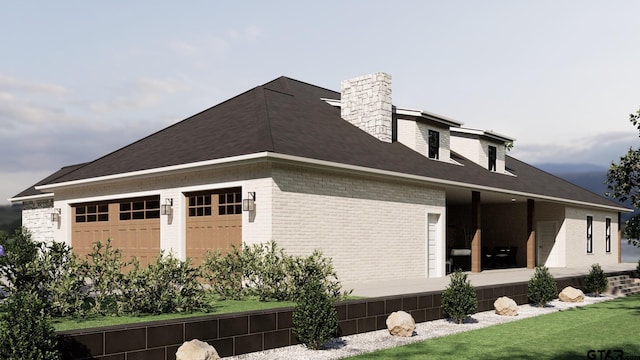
79	79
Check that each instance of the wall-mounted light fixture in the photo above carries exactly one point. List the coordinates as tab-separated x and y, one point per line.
249	204
55	215
167	207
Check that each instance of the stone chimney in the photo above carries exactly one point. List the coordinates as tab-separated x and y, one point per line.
366	103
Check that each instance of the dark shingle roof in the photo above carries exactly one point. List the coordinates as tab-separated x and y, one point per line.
288	117
31	191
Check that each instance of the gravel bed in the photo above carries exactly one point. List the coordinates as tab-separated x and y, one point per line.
377	340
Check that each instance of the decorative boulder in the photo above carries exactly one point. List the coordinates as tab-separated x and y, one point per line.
400	323
505	306
571	294
196	350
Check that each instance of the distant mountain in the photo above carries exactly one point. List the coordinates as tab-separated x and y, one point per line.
10	218
560	168
588	176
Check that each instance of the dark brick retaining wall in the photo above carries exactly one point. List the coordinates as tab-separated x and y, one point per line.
240	333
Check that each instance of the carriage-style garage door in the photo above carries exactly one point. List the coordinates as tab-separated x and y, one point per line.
214	222
133	225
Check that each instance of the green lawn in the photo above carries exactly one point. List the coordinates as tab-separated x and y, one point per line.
220	307
570	334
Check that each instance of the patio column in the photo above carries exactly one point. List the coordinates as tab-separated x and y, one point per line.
531	231
476	241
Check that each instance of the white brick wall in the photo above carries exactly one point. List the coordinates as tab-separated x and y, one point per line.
372	229
576	232
36	216
415	135
477	150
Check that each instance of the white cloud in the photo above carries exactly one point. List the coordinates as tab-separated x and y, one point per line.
29	86
598	149
139	94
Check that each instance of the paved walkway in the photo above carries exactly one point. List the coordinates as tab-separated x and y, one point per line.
486	277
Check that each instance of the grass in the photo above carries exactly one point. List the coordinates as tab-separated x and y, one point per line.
220	307
570	334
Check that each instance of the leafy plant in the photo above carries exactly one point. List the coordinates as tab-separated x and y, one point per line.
19	267
315	319
596	281
166	286
459	299
266	271
225	273
542	287
103	271
25	330
65	288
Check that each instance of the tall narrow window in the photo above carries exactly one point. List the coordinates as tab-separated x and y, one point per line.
607	234
589	234
493	154
434	144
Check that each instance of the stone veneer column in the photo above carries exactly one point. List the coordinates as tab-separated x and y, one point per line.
36	216
366	103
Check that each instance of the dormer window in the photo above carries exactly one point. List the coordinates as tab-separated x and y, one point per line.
493	155
434	144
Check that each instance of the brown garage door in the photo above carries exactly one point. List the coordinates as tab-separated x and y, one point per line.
132	224
214	222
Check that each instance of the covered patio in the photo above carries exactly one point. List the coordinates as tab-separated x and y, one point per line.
484	278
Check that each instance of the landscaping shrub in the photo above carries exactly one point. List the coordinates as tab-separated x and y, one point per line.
313	267
166	286
19	268
51	271
225	273
596	281
266	271
315	319
65	287
459	299
103	271
25	330
542	287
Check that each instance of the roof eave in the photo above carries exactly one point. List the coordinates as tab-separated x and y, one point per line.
261	156
30	197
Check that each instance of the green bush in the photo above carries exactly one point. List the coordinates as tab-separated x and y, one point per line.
51	271
459	299
266	271
225	273
166	286
315	319
542	287
19	267
596	281
638	268
25	330
103	272
65	288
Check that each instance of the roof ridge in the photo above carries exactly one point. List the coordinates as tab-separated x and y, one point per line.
265	112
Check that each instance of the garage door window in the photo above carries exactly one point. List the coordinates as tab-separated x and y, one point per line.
92	213
230	203
139	209
220	202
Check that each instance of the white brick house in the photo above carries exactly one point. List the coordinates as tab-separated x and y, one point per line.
386	192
